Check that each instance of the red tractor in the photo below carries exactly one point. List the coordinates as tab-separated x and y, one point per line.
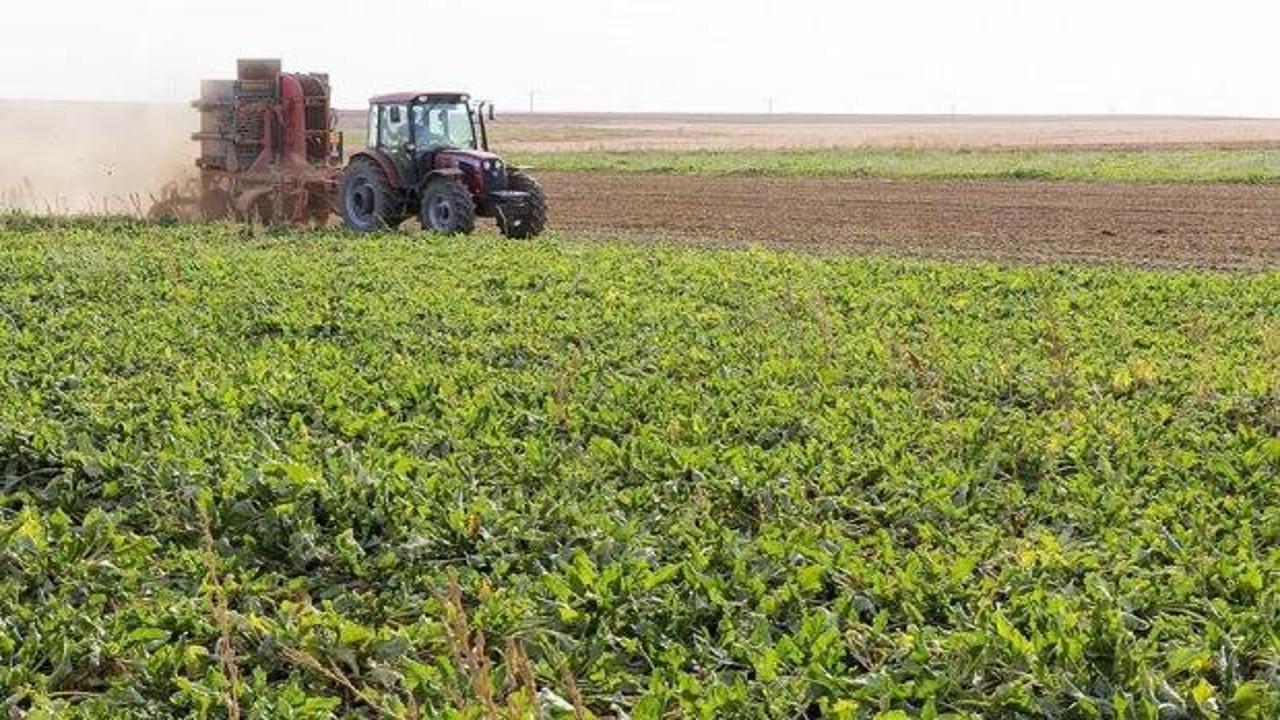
428	155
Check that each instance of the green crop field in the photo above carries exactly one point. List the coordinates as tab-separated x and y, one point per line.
314	475
1145	165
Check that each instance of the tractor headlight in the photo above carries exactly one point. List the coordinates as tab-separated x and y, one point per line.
488	166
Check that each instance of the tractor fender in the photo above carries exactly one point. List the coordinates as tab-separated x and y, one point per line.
450	173
447	173
384	162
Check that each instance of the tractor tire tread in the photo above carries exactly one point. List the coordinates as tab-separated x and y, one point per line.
459	196
536	220
388	202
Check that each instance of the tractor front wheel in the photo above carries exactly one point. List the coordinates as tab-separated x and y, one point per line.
531	222
448	208
366	199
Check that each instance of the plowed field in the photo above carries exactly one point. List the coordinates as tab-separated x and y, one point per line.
1218	226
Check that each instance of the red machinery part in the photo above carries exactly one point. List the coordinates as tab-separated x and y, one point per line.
268	146
284	129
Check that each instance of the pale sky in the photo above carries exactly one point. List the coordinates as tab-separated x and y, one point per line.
1214	57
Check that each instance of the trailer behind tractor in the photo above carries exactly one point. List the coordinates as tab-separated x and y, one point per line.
268	150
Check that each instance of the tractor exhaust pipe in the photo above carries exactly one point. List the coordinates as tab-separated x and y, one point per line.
484	128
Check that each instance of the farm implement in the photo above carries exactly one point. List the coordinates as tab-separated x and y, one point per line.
270	152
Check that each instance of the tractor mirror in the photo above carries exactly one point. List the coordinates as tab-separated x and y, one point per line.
491	117
395	113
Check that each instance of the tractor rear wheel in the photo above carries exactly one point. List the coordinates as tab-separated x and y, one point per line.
366	198
448	208
533	221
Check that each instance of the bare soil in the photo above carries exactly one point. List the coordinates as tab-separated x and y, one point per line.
1212	226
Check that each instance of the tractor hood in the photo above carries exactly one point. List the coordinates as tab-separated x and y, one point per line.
454	158
483	171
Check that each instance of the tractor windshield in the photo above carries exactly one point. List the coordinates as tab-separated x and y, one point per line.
437	126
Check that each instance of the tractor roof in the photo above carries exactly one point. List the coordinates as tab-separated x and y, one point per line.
423	96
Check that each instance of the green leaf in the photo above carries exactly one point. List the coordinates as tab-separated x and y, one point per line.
1249	698
150	636
1007	632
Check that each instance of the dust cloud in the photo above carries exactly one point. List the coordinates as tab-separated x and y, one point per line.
74	157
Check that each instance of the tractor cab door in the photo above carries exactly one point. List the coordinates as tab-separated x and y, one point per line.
395	139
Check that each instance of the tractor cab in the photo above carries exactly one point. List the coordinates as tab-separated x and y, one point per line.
418	131
428	154
427	119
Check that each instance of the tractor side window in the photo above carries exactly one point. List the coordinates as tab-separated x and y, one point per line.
393	125
371	137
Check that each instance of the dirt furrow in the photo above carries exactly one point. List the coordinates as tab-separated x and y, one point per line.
1219	226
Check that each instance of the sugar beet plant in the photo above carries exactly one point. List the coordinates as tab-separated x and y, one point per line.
316	475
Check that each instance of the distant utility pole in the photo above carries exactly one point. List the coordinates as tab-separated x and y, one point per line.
532	95
770	106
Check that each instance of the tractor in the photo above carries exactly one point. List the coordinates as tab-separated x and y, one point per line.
427	154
